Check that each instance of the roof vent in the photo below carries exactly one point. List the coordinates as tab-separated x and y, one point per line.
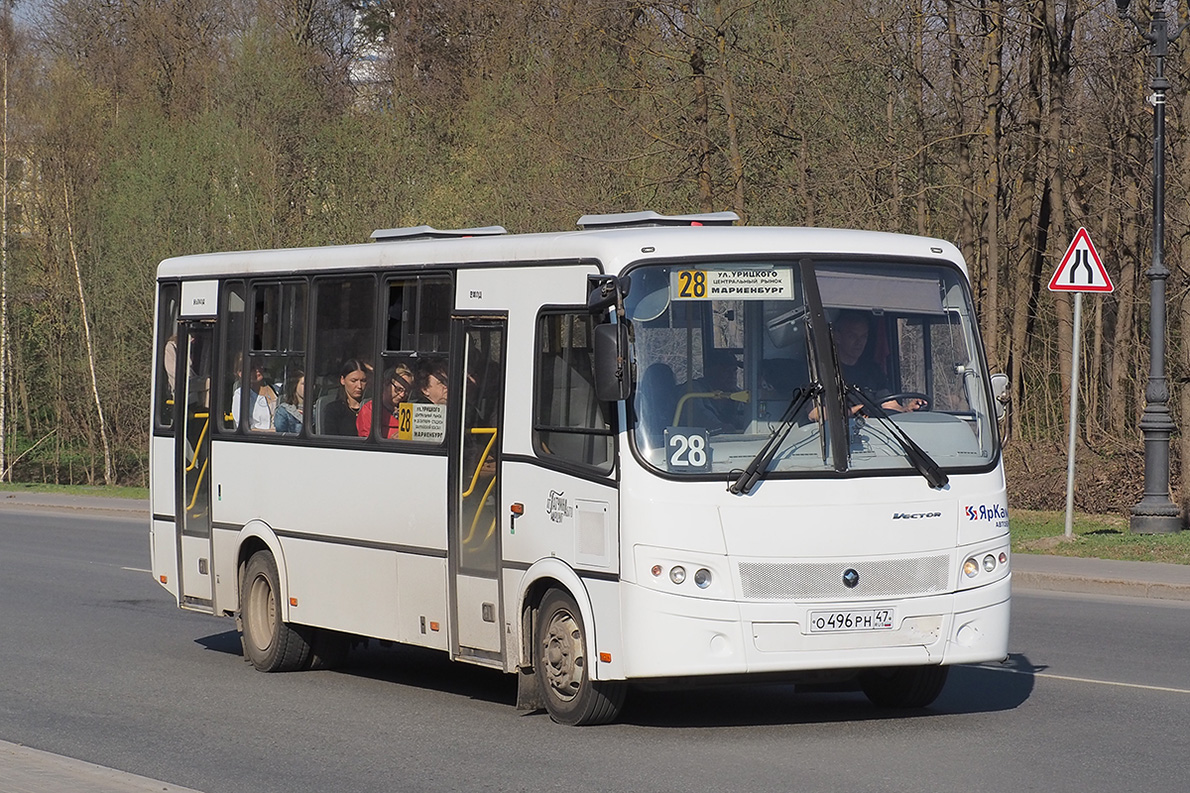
625	220
430	233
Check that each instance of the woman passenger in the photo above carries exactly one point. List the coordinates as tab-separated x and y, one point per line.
431	381
395	388
338	417
289	413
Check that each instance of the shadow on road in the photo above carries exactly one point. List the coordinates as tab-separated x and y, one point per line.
226	642
989	687
969	689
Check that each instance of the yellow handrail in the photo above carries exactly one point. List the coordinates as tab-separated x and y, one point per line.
198	485
735	396
201	435
478	512
483	458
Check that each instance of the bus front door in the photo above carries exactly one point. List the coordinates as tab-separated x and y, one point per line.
192	458
475	518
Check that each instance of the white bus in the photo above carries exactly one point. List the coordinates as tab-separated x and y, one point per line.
657	447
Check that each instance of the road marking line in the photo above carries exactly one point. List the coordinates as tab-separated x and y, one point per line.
136	570
1070	679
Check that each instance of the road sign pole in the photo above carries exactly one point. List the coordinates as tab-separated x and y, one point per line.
1074	366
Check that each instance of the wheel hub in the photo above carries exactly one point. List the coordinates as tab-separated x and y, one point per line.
563	655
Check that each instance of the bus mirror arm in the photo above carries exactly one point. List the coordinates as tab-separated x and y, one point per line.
606	291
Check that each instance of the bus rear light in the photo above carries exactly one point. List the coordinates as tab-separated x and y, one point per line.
677	574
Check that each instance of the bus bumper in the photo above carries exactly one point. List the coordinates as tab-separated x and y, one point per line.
668	635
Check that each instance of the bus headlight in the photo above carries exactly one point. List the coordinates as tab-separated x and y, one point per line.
989	563
702	578
971	568
677	574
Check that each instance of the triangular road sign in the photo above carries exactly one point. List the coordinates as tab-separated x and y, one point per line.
1081	269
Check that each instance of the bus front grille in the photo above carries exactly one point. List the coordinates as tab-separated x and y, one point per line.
923	575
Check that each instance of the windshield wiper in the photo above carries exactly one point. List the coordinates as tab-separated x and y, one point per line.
760	463
921	461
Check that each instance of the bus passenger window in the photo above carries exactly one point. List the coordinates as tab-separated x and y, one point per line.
232	322
343	338
167	340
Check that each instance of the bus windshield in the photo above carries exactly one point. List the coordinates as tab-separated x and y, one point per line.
723	349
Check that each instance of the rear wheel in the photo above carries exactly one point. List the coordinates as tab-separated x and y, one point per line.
904	686
562	666
270	644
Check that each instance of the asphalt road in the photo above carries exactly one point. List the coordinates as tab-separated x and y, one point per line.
98	664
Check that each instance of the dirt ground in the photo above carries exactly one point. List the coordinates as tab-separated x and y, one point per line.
1103	483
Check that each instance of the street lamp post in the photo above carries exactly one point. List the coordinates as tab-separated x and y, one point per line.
1156	513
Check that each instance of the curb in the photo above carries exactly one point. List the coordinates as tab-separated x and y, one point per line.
1053	582
26	770
1152	580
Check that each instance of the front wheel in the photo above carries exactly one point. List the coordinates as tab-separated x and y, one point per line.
561	664
904	686
269	644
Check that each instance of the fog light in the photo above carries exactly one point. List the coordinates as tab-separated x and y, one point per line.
702	578
971	568
677	574
989	563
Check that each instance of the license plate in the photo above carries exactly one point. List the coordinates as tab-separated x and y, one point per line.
857	620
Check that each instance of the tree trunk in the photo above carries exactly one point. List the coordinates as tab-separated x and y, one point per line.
108	473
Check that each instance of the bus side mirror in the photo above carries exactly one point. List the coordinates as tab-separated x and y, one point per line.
1000	394
612	380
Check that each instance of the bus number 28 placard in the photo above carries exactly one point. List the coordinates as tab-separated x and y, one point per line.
687	450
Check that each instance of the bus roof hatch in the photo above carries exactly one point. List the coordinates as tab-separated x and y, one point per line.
623	220
430	233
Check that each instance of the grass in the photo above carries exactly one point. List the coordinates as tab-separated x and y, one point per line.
75	490
1097	536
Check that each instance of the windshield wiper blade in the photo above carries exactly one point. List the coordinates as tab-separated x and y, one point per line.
760	463
918	456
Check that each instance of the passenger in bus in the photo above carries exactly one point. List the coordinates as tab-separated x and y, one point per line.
290	412
720	376
262	398
431	381
339	415
169	360
851	332
395	388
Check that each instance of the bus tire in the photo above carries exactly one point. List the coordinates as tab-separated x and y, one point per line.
904	686
270	644
560	660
